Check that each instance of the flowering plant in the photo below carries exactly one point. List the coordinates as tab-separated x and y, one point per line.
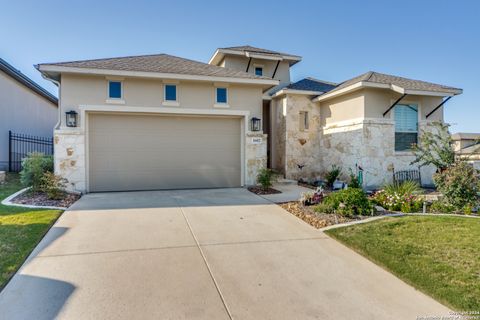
401	197
313	197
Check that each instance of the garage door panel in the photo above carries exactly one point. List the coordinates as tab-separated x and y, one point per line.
143	152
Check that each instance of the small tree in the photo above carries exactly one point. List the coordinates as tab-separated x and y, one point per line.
435	148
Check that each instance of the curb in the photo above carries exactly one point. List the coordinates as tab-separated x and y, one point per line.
8	202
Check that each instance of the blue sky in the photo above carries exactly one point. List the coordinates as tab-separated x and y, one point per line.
437	41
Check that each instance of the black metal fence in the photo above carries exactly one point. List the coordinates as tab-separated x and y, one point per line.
407	175
20	145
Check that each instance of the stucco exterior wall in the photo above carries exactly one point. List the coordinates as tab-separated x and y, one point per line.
241	63
343	108
138	92
71	157
377	101
22	111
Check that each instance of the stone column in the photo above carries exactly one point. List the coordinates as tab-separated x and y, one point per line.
69	158
255	156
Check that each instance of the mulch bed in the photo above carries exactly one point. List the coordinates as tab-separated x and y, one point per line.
317	220
261	191
41	199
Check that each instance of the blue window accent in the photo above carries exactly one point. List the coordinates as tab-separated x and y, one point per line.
258	71
170	92
221	95
115	89
406	126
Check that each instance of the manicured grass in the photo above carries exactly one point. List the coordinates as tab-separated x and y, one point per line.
439	255
20	230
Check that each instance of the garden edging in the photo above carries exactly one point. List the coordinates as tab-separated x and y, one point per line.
8	202
346	224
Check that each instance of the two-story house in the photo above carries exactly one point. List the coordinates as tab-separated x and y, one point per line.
164	122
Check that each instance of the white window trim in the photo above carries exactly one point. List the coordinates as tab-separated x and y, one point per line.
419	119
221	104
255	65
170	102
115	100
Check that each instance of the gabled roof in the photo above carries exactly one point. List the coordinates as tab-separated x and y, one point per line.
307	86
396	83
253	52
312	84
148	65
161	63
26	81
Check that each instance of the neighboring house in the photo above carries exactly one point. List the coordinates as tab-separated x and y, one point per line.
467	146
164	122
25	107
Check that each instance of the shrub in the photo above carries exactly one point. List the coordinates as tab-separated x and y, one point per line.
354	182
399	197
349	202
53	185
324	208
332	175
441	207
265	178
34	167
459	184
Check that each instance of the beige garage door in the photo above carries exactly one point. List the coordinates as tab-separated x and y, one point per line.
150	152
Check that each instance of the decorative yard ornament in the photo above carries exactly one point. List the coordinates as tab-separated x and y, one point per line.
71	118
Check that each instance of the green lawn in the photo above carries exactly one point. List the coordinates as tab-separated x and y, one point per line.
439	255
20	230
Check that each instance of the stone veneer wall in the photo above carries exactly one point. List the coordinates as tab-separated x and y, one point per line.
302	148
70	157
369	143
255	156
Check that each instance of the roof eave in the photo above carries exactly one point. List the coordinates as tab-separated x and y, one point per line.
294	91
220	54
54	69
365	84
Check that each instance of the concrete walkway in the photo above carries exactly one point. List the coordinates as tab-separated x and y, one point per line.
205	254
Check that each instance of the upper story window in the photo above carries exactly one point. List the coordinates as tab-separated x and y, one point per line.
170	92
114	89
221	95
258	71
406	126
304	122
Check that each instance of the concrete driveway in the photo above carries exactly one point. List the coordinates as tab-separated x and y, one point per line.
203	254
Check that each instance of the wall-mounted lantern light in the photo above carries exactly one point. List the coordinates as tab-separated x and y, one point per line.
71	117
256	124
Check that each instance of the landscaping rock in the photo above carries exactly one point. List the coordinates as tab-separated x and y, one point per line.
315	219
